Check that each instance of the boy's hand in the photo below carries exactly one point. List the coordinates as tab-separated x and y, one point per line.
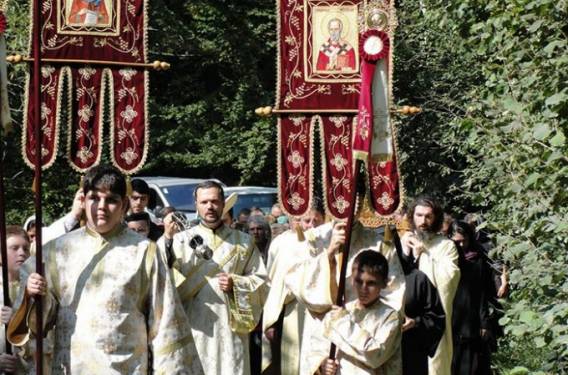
336	311
8	363
337	239
78	204
329	366
5	314
37	285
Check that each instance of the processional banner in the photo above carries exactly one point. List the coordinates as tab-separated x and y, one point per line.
325	73
77	38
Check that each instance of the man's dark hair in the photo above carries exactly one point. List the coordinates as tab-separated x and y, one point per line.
140	186
105	177
208	185
437	210
373	262
244	211
139	216
165	211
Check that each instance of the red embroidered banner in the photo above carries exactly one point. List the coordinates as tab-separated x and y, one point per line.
337	169
105	30
85	134
295	163
74	34
384	181
318	58
325	48
129	135
51	93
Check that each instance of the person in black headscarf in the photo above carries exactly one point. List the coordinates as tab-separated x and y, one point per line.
471	323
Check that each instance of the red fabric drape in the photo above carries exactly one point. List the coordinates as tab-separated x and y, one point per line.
84	139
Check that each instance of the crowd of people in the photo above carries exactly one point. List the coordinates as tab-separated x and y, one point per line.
128	291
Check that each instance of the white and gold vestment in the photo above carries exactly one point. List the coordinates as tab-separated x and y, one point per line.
221	321
367	339
439	261
112	305
309	279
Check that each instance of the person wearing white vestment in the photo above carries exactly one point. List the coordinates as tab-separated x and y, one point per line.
366	332
313	281
225	285
437	257
108	295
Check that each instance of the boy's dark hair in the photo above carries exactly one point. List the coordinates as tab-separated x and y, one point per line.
16	230
317	205
208	185
140	186
437	210
105	177
139	216
373	262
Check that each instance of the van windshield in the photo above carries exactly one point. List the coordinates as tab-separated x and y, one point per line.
262	201
180	196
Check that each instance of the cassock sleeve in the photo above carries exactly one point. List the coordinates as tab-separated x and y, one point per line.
371	348
249	293
169	335
431	324
487	291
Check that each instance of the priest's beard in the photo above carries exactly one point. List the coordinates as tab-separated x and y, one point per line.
424	234
334	36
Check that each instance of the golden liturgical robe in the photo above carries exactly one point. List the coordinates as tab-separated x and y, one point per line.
367	339
439	262
112	305
285	251
221	322
309	279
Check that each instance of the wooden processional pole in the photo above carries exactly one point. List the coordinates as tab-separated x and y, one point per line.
36	97
340	300
3	240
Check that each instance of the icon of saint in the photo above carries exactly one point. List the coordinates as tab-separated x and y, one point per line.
336	54
88	13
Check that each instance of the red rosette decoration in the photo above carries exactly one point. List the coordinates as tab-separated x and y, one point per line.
374	45
3	23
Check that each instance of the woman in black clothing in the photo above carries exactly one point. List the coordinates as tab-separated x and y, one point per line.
471	323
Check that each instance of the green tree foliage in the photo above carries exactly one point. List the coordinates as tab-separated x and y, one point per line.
492	77
223	67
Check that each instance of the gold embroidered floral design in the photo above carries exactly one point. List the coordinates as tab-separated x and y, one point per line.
128	114
363	126
296	201
129	155
340	204
296	159
385	200
84	154
339	162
